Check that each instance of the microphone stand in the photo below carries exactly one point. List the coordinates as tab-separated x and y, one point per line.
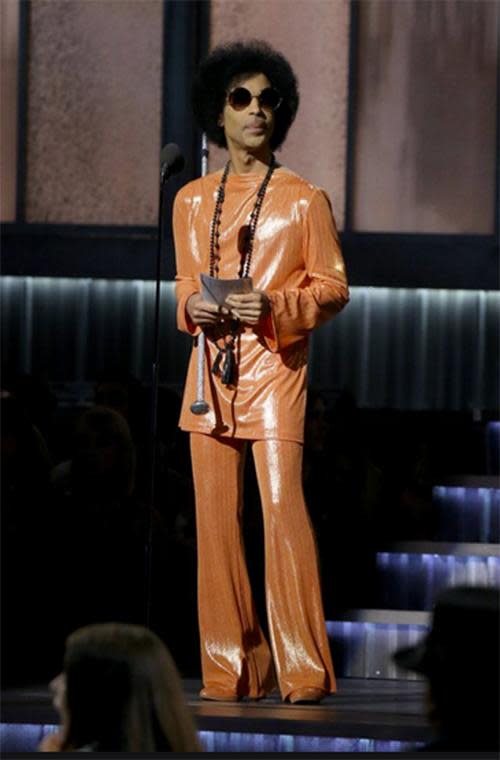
172	162
154	402
199	405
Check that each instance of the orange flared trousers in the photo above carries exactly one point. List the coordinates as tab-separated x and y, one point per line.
236	658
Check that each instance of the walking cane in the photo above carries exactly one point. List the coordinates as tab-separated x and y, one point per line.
200	406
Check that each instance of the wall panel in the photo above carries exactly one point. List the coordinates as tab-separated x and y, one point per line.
9	50
426	116
94	111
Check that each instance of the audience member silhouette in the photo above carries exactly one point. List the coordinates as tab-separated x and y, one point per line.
102	468
342	489
120	692
26	463
34	394
460	659
122	392
119	390
100	528
25	498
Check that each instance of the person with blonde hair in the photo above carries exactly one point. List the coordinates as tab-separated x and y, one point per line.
120	691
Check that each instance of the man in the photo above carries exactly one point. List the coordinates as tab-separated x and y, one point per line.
460	659
255	219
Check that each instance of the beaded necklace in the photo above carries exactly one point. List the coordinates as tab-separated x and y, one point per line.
228	372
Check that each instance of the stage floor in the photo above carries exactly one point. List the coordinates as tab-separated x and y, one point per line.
375	708
372	711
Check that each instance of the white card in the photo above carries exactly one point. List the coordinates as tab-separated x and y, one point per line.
216	291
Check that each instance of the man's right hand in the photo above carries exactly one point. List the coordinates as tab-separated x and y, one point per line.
203	313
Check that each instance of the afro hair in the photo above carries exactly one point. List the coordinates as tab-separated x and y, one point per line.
229	63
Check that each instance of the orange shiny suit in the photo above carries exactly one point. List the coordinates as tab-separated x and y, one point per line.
298	263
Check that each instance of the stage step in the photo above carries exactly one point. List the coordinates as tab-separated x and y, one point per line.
467	514
411	574
363	641
471	481
493	446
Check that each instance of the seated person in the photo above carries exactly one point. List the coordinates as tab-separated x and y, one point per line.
119	692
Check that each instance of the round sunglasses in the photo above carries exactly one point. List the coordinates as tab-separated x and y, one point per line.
240	98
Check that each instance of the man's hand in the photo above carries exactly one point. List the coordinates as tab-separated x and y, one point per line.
249	307
203	313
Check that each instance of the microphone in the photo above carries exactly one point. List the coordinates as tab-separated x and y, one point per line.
171	161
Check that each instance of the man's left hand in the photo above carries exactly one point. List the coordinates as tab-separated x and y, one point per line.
249	307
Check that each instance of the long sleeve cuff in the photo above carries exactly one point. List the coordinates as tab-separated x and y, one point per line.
184	321
297	311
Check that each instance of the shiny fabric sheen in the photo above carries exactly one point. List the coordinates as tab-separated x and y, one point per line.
236	658
298	263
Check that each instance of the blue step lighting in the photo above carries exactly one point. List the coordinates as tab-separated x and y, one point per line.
411	581
364	649
468	514
21	737
222	741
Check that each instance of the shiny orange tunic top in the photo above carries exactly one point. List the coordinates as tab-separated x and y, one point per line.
297	262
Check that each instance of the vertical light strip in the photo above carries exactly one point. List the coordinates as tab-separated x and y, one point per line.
27	325
81	348
364	355
401	390
480	365
438	366
457	306
422	349
137	345
486	497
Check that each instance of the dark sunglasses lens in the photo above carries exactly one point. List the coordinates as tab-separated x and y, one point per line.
240	98
270	98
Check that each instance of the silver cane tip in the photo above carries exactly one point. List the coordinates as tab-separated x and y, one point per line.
199	407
